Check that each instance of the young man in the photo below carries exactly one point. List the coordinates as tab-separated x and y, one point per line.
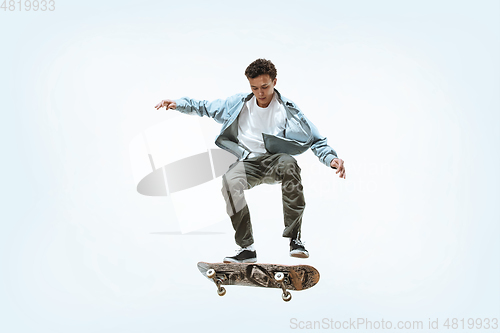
263	130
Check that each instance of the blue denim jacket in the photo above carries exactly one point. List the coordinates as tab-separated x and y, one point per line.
300	134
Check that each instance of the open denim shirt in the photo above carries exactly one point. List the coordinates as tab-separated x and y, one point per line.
299	135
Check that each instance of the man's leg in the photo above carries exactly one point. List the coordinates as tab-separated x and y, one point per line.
241	176
283	168
293	197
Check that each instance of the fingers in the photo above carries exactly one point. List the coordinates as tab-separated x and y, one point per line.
341	170
162	104
339	164
167	103
159	105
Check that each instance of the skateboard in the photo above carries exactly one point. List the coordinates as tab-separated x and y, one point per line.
284	277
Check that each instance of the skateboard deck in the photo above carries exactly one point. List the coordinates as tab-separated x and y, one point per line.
285	277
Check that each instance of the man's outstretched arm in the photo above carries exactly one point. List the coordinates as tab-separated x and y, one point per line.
218	109
212	109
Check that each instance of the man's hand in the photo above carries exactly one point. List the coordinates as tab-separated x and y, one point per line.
168	103
338	164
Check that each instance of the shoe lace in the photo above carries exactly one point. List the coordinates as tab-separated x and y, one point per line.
299	242
241	249
238	251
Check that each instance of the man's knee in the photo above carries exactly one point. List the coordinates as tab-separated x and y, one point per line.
233	185
288	162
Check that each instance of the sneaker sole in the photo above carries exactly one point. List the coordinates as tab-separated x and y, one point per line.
299	254
234	261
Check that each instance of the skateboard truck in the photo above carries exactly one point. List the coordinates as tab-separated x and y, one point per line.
279	277
221	291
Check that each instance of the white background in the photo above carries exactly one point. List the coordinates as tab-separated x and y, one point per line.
407	93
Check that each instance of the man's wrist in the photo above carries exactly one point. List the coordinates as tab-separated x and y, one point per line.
331	161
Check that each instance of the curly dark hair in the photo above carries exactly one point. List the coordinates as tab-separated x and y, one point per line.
261	67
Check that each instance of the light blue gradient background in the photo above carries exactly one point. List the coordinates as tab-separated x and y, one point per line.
406	91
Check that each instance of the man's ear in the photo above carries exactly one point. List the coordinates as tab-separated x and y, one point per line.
275	80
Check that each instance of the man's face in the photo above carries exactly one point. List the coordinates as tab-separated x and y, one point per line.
263	89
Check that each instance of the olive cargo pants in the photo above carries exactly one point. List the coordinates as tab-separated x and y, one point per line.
263	169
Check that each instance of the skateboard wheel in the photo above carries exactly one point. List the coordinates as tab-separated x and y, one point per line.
279	276
210	273
221	291
286	296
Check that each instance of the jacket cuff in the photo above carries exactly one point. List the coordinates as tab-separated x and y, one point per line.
180	103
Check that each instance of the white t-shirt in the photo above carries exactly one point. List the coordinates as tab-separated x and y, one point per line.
254	120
